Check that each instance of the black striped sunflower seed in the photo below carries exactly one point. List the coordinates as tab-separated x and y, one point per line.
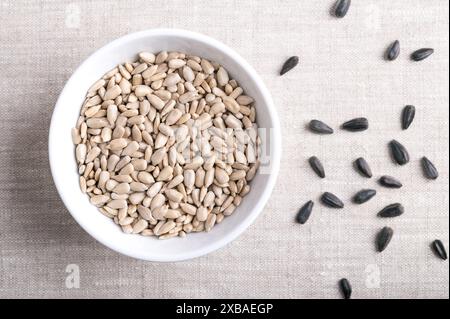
399	152
439	249
320	127
346	288
341	8
390	182
356	125
430	171
289	64
331	200
363	167
317	166
304	212
384	238
421	54
392	210
393	51
364	195
408	114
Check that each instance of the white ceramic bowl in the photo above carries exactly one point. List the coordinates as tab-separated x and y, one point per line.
61	149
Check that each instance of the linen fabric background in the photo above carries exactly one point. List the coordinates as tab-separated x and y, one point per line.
341	75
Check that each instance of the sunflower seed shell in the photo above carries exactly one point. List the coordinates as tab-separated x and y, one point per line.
304	212
384	238
289	64
393	210
331	200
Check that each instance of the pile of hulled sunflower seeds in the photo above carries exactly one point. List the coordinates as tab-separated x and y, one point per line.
166	145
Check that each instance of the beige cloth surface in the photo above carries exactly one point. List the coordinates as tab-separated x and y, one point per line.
341	75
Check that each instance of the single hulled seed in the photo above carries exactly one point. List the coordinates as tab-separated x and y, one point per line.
317	166
289	64
390	182
393	51
140	226
304	212
392	210
363	167
408	114
399	152
99	200
384	237
430	171
421	54
439	249
346	288
364	196
331	200
320	127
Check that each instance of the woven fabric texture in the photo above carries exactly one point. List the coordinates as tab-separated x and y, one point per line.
341	75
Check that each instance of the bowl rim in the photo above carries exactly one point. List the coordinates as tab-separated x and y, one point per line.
275	139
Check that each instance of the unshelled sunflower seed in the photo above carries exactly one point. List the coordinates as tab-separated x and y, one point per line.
399	152
439	249
430	171
317	166
304	212
331	200
390	182
341	8
346	288
356	125
408	114
384	238
289	64
392	210
421	54
320	127
393	51
364	195
363	167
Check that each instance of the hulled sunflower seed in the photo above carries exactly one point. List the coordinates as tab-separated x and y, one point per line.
390	182
421	54
439	249
363	167
320	127
392	210
317	166
408	114
304	212
384	238
356	125
364	196
99	200
430	171
117	203
80	153
331	200
346	288
289	64
393	51
147	57
140	226
399	152
341	8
